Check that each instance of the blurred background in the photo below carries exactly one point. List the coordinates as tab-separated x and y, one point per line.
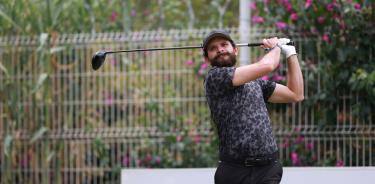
62	122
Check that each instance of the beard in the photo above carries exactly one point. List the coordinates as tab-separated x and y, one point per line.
224	60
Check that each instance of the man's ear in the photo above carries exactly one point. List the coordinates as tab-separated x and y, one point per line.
235	49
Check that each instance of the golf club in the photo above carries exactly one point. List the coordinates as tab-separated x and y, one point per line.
99	57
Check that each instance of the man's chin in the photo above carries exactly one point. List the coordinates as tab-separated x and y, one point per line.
224	61
223	64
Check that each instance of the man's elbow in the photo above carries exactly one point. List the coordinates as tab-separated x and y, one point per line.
298	98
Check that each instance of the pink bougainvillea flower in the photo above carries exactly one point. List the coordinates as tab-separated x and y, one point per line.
321	19
299	139
178	138
336	17
157	159
197	139
113	62
314	157
357	6
126	161
342	25
266	1
189	62
288	6
295	158
281	25
201	72
253	5
148	158
204	65
349	1
330	6
285	144
325	38
294	17
309	146
265	77
114	16
308	3
257	19
277	77
108	99
339	163
313	30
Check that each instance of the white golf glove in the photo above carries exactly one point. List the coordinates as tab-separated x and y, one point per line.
288	50
283	41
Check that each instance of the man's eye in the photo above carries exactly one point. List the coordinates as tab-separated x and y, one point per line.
212	48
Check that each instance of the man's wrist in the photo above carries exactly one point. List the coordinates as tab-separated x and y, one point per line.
290	58
276	46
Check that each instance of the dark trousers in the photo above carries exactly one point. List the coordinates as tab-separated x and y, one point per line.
228	173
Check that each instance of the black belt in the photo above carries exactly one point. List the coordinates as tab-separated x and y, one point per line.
252	160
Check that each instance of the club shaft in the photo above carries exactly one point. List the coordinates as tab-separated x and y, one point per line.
184	47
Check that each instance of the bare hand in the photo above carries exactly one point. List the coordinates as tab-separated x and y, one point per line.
270	43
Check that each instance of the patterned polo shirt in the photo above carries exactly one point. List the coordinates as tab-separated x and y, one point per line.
240	114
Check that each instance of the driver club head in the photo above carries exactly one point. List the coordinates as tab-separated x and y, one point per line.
98	59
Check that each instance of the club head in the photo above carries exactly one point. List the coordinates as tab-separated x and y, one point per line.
98	59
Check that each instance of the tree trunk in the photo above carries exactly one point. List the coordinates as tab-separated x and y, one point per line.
191	14
221	10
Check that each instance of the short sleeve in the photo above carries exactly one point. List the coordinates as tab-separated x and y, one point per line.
267	88
219	80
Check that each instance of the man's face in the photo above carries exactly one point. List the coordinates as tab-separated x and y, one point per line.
221	53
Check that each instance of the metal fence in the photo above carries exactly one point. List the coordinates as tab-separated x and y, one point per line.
62	122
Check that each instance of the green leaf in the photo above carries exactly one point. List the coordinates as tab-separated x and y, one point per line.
50	156
2	67
37	135
42	78
6	17
8	145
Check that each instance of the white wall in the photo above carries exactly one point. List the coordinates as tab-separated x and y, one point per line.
292	175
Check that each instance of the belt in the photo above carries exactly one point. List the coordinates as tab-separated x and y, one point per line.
251	161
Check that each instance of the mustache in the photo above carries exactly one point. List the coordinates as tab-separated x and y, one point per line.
222	54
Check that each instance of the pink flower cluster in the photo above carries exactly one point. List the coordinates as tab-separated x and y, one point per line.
189	62
281	25
308	3
276	77
203	68
257	19
114	16
295	159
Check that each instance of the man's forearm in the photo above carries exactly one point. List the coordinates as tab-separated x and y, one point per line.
294	77
251	72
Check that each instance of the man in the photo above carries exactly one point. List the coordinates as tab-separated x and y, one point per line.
237	101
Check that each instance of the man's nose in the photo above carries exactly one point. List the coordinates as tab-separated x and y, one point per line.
221	50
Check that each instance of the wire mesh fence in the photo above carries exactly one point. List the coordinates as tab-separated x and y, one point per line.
63	122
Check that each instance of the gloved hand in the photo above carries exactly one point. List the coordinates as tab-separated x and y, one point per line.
288	50
283	41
